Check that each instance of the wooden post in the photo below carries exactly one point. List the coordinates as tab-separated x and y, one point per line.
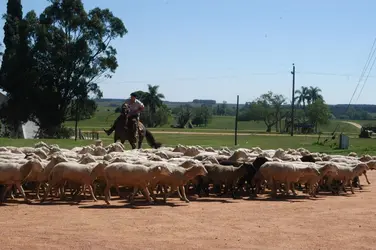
236	120
293	99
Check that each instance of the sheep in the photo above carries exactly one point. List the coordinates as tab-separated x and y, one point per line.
135	175
178	178
346	174
252	170
13	174
286	172
70	171
221	174
329	169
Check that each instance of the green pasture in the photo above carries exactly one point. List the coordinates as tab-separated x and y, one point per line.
360	146
105	116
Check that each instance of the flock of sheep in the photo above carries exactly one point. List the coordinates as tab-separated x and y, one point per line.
102	170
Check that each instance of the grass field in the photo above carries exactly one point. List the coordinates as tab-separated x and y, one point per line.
105	116
360	146
251	134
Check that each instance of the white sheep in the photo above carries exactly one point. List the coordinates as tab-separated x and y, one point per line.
134	175
13	174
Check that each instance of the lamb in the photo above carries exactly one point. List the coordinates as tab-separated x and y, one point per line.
70	171
135	175
13	174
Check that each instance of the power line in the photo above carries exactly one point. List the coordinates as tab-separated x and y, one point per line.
196	78
360	78
365	81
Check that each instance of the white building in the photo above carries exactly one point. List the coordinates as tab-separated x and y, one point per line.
28	130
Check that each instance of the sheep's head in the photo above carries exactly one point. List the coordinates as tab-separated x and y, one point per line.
259	161
98	170
361	168
160	170
329	169
86	158
197	170
371	164
189	163
55	159
311	171
307	158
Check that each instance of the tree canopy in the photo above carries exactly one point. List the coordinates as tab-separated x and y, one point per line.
68	49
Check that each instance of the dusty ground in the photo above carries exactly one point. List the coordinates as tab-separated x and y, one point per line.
328	222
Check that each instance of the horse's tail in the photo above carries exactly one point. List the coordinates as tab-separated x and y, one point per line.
151	140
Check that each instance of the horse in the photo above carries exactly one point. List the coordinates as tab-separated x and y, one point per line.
125	130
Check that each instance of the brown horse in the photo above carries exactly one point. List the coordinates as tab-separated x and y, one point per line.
128	129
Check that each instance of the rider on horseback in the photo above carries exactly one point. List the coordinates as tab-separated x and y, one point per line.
135	108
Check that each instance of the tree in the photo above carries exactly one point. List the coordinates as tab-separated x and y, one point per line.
202	115
72	50
15	72
318	113
183	115
267	108
314	94
152	98
82	109
303	96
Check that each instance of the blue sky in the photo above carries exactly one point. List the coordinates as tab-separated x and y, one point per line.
217	49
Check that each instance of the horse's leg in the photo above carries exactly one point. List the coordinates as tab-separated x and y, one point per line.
140	140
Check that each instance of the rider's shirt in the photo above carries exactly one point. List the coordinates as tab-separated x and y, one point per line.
134	107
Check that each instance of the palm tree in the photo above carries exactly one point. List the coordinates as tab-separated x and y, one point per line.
153	99
314	93
303	96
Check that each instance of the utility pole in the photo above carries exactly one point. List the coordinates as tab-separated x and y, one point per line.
293	99
236	120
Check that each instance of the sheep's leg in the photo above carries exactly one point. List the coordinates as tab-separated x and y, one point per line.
293	189
5	192
48	191
62	193
38	189
159	189
91	192
12	194
351	187
359	185
118	190
180	195
273	188
145	192
131	198
342	186
151	191
107	193
365	175
20	189
183	193
166	193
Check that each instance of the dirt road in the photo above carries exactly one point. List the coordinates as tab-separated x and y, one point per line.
328	222
354	124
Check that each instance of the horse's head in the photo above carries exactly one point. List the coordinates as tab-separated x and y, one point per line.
125	109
